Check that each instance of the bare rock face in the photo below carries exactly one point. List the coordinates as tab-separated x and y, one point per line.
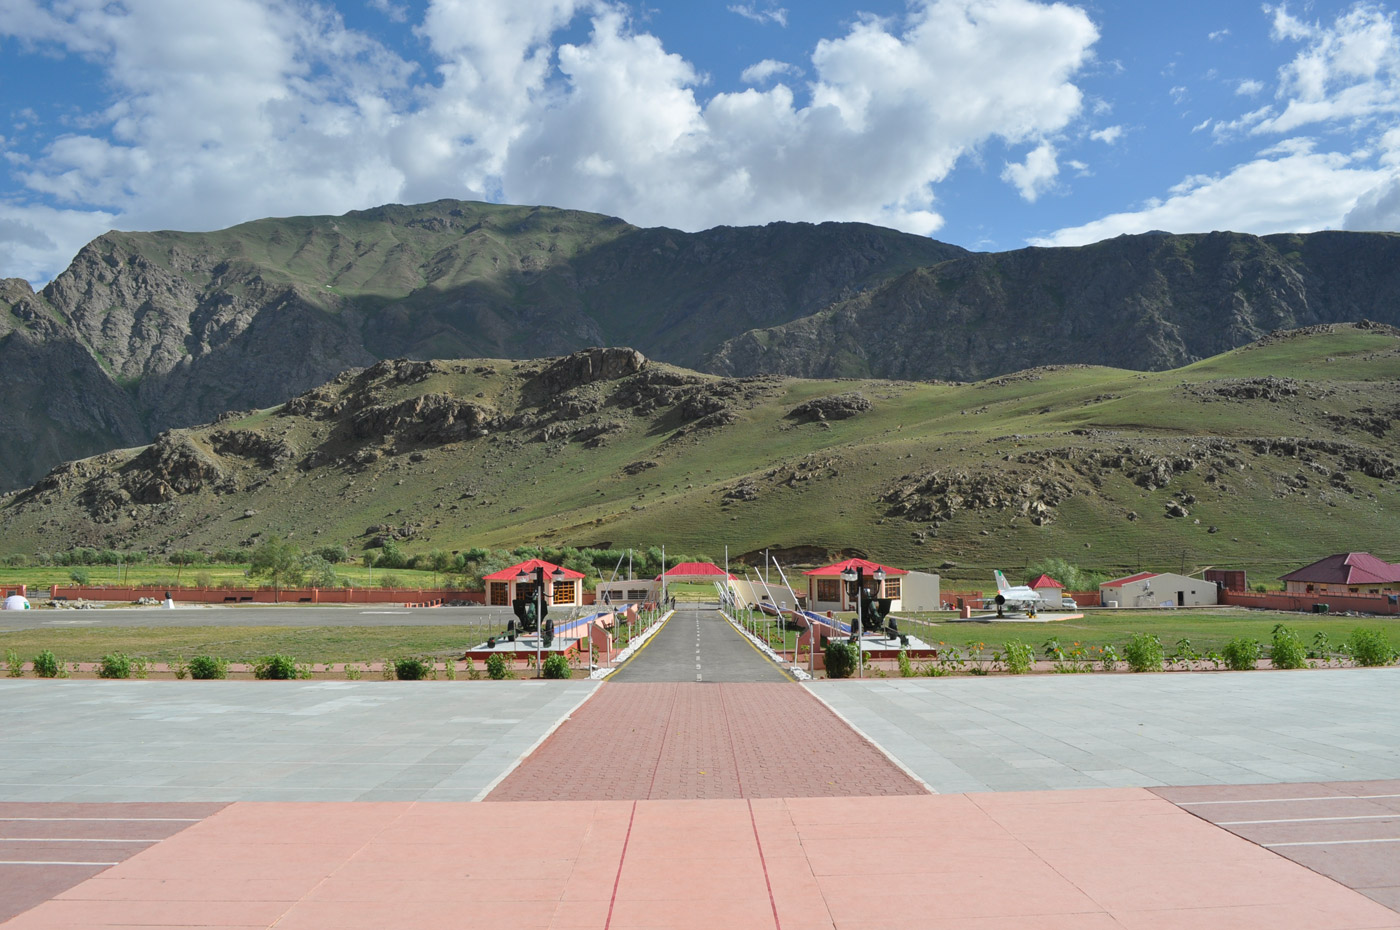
835	407
268	451
171	466
590	365
432	418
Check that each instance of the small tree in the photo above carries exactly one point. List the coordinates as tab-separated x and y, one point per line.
279	561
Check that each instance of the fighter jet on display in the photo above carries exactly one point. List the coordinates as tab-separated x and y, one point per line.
1019	597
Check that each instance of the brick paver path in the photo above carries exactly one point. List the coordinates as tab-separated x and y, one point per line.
693	740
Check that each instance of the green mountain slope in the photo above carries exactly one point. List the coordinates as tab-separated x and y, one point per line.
1227	461
189	325
1145	302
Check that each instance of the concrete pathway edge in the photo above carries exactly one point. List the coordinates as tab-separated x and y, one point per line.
793	668
633	647
894	760
481	795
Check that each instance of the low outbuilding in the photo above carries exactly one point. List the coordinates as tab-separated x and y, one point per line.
1345	573
1158	589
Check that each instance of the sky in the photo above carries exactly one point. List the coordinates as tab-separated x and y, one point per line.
991	124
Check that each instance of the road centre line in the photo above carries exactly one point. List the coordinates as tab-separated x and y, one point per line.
1389	839
1330	797
1395	815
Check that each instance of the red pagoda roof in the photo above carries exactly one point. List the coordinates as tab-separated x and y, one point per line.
695	568
837	568
1045	581
529	565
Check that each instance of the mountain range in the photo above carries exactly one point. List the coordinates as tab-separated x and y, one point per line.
145	332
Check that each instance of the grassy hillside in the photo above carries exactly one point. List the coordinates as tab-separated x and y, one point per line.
1276	454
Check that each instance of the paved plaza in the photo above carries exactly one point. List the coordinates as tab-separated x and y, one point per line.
1109	731
270	741
1259	799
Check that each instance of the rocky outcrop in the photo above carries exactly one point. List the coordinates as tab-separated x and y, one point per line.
835	407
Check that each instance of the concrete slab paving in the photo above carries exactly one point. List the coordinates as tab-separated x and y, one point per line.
104	741
1084	731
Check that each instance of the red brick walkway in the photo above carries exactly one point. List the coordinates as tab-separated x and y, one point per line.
690	741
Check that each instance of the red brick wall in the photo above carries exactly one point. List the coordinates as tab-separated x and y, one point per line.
1370	604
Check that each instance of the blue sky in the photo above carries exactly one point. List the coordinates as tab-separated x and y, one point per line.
993	124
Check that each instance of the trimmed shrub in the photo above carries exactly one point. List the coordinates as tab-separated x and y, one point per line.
208	668
556	665
14	665
114	665
277	668
410	669
1287	649
80	576
1019	657
1240	654
496	667
840	658
1143	653
1370	647
46	664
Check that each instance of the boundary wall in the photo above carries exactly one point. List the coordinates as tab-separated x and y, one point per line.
413	597
1360	603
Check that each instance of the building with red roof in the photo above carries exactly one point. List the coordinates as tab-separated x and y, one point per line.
1048	588
1158	589
826	590
1345	573
563	586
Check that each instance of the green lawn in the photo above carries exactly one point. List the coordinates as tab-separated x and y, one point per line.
1207	630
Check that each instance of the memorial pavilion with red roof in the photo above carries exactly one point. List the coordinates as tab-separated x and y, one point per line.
826	590
564	585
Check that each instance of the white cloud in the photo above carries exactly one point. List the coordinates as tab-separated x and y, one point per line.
1377	208
31	237
221	113
1349	71
1217	35
1036	174
1108	135
1178	94
761	72
1298	192
1342	87
769	14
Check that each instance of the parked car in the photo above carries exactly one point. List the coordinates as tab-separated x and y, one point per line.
1067	603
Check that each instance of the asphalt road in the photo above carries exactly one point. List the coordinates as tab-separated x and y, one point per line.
255	615
697	644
